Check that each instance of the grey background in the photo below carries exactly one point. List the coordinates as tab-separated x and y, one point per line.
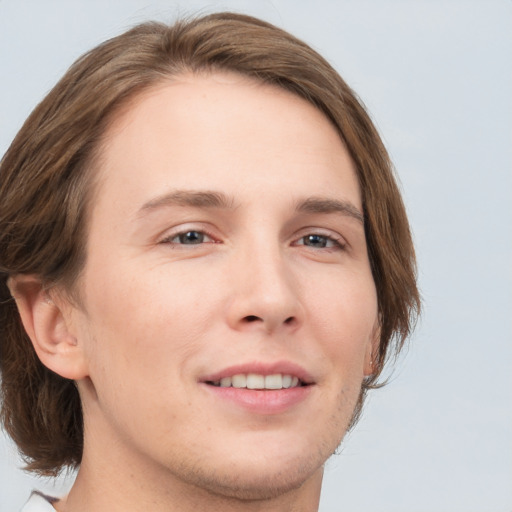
437	79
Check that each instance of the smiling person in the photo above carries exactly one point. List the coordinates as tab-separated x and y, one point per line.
205	264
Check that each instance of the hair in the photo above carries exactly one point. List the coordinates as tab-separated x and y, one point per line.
46	187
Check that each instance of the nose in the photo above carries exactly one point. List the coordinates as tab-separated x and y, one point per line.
265	295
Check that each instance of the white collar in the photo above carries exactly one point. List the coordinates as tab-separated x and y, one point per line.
38	503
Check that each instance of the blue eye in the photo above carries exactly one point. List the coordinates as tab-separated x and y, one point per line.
189	238
319	241
316	241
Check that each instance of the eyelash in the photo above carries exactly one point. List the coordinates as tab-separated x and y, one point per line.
336	242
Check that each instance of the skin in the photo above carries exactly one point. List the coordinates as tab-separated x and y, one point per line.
266	283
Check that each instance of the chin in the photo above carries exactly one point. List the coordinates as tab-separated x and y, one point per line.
261	484
262	474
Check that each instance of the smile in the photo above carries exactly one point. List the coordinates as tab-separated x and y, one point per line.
258	381
261	388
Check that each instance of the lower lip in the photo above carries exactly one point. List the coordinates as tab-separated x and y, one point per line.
262	401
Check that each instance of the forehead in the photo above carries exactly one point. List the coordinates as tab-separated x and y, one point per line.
222	131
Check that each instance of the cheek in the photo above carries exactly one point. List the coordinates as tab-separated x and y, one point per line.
345	311
149	321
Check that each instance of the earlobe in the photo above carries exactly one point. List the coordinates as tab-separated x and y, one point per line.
47	319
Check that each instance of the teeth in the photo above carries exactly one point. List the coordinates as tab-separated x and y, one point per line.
287	381
225	382
256	381
239	381
274	381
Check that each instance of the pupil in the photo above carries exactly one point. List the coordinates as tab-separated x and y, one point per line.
316	240
191	237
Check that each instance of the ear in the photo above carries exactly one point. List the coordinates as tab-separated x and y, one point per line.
48	321
372	350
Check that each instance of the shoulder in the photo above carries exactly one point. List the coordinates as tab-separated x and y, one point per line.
39	503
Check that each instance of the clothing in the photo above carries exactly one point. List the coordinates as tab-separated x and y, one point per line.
39	503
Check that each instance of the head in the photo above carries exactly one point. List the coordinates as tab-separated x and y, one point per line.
56	183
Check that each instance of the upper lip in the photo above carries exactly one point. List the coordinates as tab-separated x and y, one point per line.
261	368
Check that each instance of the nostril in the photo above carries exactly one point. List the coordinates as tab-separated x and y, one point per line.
254	318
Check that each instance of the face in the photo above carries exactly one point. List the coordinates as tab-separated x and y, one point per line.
229	310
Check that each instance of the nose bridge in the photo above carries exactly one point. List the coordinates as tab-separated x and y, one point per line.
265	294
268	276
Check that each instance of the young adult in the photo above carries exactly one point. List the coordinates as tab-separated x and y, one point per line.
205	264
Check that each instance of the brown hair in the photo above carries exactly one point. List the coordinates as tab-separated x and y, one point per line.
46	185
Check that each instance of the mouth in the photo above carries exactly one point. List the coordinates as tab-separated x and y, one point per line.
259	381
260	388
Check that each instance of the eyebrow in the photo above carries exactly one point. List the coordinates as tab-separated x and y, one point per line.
327	205
219	200
198	199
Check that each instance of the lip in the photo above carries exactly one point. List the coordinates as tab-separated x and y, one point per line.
264	401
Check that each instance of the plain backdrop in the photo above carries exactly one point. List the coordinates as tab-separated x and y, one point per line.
437	79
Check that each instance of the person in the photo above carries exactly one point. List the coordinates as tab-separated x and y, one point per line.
205	265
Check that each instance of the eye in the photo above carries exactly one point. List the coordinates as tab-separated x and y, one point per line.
191	237
319	241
